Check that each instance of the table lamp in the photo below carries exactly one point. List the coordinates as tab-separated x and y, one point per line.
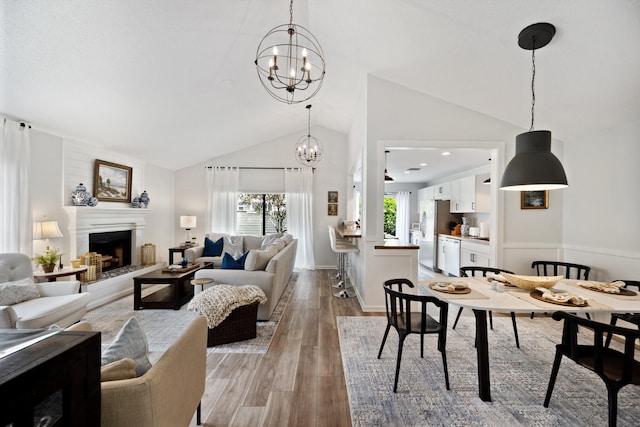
188	222
47	230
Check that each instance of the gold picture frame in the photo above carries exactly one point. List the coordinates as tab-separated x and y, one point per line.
332	209
112	182
534	199
332	197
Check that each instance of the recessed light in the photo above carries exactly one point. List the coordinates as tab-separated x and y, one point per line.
407	171
446	153
423	164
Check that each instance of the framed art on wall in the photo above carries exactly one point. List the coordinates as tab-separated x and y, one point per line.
332	197
332	209
534	199
112	182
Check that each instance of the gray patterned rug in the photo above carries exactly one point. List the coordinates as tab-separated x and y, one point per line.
519	379
162	327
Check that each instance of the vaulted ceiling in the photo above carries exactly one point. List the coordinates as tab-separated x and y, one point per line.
174	81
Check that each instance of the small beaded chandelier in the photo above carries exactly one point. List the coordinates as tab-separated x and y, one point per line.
308	150
290	62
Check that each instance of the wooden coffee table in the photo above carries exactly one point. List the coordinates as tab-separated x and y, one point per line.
177	292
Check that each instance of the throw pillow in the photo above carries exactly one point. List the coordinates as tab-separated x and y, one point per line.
131	343
18	291
258	259
212	248
268	239
288	238
122	369
230	263
279	243
233	246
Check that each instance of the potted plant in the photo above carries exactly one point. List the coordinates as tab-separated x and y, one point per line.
48	260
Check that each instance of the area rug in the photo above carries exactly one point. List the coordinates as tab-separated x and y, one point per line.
162	327
519	379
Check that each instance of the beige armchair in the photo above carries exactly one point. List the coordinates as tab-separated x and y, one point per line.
169	393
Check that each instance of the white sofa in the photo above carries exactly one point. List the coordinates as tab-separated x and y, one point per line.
59	302
272	279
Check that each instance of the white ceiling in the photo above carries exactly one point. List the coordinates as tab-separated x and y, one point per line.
174	81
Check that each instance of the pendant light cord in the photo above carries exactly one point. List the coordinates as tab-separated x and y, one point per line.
309	122
533	80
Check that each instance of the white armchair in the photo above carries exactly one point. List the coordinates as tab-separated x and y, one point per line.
59	302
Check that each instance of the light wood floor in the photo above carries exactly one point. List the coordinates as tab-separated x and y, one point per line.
299	381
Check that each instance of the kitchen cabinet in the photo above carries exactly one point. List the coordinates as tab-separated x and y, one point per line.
474	254
468	194
426	193
442	191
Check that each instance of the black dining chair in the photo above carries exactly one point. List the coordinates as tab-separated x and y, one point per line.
559	268
405	321
615	368
627	317
474	271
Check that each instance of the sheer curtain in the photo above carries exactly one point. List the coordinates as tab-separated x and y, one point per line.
222	188
403	216
15	194
298	187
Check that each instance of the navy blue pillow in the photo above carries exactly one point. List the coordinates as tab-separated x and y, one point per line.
212	248
233	264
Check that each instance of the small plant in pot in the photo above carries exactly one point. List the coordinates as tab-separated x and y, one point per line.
48	260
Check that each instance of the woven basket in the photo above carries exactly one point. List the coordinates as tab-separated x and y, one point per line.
238	326
529	283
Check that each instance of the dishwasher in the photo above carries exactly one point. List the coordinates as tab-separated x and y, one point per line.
452	256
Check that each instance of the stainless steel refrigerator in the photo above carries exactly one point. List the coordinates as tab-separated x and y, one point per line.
434	220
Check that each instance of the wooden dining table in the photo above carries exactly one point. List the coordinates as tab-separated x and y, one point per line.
484	298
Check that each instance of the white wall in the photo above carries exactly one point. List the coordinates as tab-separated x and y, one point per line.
600	222
59	165
330	175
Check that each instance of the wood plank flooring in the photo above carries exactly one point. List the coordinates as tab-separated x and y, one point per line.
299	381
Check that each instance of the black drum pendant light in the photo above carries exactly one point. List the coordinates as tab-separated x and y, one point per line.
534	166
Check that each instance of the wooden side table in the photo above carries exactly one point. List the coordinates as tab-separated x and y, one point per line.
53	276
198	285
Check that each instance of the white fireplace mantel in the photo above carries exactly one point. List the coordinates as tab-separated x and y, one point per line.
84	220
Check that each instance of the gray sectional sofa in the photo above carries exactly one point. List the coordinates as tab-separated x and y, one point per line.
269	265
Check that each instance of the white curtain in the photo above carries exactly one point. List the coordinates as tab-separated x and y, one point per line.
298	187
222	189
403	216
15	194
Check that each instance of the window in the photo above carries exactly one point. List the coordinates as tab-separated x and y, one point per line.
389	215
260	214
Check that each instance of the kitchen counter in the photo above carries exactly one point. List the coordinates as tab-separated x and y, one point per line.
349	232
395	244
468	239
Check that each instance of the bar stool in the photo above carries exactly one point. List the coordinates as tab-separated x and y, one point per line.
339	241
342	250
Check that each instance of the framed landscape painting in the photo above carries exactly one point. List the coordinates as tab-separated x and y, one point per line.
534	199
112	182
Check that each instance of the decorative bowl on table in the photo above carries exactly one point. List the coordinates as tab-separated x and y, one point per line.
529	283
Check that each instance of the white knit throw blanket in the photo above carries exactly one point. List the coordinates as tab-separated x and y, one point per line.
217	302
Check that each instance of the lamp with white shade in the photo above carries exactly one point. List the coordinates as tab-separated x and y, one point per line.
45	230
188	222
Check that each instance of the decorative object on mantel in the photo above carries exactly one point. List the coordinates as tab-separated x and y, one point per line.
136	202
112	182
308	149
289	60
80	197
534	167
144	199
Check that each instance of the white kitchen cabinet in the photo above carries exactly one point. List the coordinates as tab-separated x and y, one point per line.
442	191
474	254
449	255
463	194
426	193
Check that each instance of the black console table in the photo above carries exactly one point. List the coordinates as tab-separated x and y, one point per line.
57	376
